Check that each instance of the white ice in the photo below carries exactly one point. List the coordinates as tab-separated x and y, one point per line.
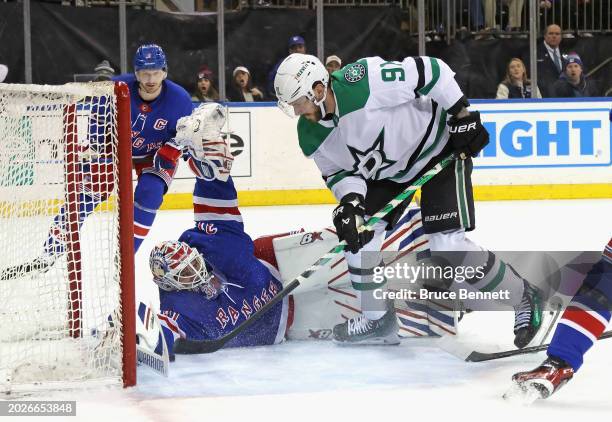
413	381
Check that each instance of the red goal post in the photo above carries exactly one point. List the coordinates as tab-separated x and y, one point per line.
66	200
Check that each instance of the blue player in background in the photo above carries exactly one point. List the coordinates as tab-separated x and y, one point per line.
156	106
582	323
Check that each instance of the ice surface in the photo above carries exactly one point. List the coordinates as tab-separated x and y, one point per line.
318	381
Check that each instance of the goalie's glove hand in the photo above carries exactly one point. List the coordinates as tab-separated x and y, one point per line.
348	217
204	124
467	135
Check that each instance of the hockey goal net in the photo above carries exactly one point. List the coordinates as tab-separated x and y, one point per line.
66	260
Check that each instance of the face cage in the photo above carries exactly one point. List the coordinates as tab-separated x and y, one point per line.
187	269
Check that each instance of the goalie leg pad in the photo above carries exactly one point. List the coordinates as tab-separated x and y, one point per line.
264	249
151	341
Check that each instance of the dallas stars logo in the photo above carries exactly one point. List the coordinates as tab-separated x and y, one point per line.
355	72
372	161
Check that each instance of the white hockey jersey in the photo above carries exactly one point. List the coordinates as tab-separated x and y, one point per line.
389	122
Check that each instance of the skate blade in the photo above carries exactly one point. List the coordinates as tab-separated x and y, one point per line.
522	394
549	318
381	341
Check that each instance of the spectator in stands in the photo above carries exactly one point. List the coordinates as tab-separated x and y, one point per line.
515	10
243	86
333	63
3	72
476	16
205	88
103	71
550	60
573	82
516	84
296	45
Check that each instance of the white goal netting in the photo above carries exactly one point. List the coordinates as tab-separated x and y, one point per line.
60	259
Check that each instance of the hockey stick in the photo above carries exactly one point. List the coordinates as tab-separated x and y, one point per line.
467	353
483	357
36	265
184	346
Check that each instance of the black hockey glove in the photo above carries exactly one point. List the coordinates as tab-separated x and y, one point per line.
467	135
348	217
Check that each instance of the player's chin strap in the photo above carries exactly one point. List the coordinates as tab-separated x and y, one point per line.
184	346
321	103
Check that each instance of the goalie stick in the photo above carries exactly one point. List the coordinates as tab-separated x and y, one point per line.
184	346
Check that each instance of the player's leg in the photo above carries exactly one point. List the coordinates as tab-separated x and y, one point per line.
148	197
97	183
582	323
377	323
154	177
447	205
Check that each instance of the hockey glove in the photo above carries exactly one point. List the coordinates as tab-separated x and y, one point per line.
216	162
348	217
165	162
203	125
467	134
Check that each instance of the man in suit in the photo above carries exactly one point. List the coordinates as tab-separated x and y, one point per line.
550	61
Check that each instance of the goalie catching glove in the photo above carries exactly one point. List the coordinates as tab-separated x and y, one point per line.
348	217
467	135
200	133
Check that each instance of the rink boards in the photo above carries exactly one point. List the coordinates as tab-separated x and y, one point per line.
539	149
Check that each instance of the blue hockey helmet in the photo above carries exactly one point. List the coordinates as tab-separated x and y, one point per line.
150	57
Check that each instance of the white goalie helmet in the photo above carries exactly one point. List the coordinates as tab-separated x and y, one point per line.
295	78
177	266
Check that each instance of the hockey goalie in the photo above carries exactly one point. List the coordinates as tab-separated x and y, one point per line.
215	276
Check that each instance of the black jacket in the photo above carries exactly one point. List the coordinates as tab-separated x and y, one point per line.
547	71
236	95
518	91
585	88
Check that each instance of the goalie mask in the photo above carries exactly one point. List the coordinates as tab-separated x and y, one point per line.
177	266
296	77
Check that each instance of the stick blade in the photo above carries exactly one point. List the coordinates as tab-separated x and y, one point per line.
195	347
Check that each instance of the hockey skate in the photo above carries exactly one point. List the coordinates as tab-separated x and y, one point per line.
527	316
541	382
363	331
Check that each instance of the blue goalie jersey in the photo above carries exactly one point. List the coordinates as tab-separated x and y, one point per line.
247	282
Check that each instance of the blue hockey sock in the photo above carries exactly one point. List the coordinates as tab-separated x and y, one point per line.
148	197
585	318
55	244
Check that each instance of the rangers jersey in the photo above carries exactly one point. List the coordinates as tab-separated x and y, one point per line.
154	122
389	122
